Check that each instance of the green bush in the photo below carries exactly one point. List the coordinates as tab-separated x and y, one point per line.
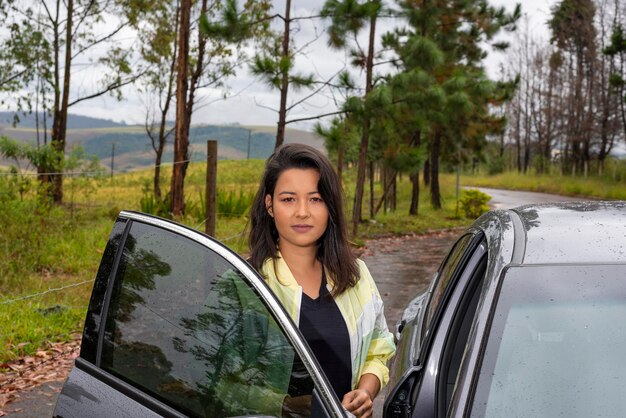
495	165
232	204
474	203
150	204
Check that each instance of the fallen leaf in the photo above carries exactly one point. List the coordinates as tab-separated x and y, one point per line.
29	372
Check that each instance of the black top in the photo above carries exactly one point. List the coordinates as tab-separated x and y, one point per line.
325	330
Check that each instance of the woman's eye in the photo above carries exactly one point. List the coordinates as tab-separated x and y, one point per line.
287	199
317	199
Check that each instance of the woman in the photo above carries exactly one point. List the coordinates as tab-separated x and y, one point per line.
298	242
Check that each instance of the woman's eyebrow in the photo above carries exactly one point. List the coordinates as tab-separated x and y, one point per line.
293	193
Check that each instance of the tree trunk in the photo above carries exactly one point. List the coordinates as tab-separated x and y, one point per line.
435	195
415	193
394	190
162	139
372	173
181	141
427	171
284	82
360	178
518	139
416	141
340	152
59	128
388	186
383	180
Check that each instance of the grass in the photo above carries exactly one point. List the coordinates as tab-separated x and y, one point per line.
592	187
46	247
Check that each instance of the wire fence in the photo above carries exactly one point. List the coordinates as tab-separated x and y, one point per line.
88	173
45	292
96	192
81	283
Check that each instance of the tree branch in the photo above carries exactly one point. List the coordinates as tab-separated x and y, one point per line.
110	87
83	17
316	91
339	112
98	41
264	107
11	78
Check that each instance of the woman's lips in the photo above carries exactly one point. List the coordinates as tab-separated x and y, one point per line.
302	228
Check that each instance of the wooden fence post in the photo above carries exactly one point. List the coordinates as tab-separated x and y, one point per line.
211	187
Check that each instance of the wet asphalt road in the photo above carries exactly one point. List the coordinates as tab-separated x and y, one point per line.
506	199
401	266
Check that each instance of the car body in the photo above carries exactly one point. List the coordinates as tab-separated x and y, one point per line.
156	335
524	317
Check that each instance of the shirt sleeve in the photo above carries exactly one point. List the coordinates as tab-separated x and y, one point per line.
382	346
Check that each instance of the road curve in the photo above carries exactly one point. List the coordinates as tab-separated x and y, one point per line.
507	199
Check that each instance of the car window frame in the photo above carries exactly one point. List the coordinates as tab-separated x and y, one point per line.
425	399
430	326
322	388
469	299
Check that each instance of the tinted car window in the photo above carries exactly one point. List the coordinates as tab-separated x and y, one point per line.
557	343
457	255
185	327
459	333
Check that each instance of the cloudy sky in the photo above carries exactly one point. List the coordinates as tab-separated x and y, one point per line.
250	102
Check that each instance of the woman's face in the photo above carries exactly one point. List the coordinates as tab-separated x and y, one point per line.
299	212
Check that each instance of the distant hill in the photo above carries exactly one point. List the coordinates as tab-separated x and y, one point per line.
73	121
133	148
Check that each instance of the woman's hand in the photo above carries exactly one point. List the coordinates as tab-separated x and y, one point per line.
358	402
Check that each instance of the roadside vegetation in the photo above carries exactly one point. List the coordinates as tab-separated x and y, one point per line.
596	188
46	246
608	185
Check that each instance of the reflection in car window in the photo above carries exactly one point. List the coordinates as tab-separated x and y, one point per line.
184	326
456	342
446	273
557	344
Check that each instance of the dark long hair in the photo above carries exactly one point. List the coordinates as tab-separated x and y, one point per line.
333	250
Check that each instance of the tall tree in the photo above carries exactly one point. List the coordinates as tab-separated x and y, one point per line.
573	32
157	28
616	50
348	18
607	113
67	35
220	29
275	63
181	143
459	29
417	95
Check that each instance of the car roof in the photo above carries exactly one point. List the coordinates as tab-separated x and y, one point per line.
574	232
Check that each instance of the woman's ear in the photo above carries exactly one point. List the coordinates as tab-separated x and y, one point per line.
268	205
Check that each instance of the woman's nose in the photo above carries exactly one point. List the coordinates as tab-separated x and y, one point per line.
302	210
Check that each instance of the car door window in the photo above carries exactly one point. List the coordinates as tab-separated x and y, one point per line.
458	333
455	260
184	326
447	294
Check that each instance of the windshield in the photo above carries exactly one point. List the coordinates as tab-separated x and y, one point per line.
556	346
